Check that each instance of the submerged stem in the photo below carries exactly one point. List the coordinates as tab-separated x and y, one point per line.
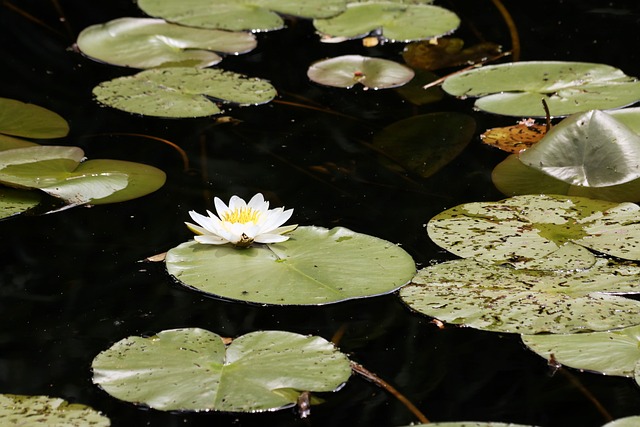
513	30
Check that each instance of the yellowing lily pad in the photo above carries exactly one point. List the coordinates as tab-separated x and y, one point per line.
531	227
349	70
503	299
182	92
257	15
20	410
516	89
30	121
516	138
149	43
192	370
392	21
446	52
315	266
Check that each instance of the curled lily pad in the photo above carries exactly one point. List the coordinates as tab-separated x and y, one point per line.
613	352
257	15
424	144
182	92
20	410
31	121
590	149
503	299
394	21
60	172
315	266
148	43
512	177
192	369
516	89
525	228
348	70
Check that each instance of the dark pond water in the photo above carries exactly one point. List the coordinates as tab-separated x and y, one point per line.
71	284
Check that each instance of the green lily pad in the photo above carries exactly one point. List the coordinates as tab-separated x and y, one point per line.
182	92
149	43
512	178
624	422
59	172
348	70
30	121
503	299
590	149
19	410
531	227
424	144
516	89
192	369
256	15
394	21
9	142
14	202
469	424
614	352
315	266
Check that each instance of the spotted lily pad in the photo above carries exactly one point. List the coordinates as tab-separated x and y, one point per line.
348	70
14	202
257	15
192	369
315	266
30	121
181	92
516	89
19	410
527	228
614	352
503	299
393	21
149	43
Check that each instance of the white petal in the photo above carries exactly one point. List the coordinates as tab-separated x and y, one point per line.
258	203
221	208
236	203
210	240
285	229
270	238
276	218
200	219
196	229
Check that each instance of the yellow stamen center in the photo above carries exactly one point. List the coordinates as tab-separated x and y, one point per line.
242	215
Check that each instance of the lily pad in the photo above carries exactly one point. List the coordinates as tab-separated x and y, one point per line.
14	202
315	266
149	43
469	424
257	15
424	144
393	21
30	121
614	352
590	149
182	92
20	410
531	227
503	299
447	52
624	422
60	172
516	138
516	89
512	178
348	70
192	369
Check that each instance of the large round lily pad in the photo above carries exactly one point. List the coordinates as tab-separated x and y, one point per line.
348	70
632	421
256	15
31	121
516	89
149	43
526	228
14	202
182	92
614	352
315	266
20	410
394	21
503	299
192	369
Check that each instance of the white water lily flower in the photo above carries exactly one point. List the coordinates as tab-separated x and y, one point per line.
241	223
